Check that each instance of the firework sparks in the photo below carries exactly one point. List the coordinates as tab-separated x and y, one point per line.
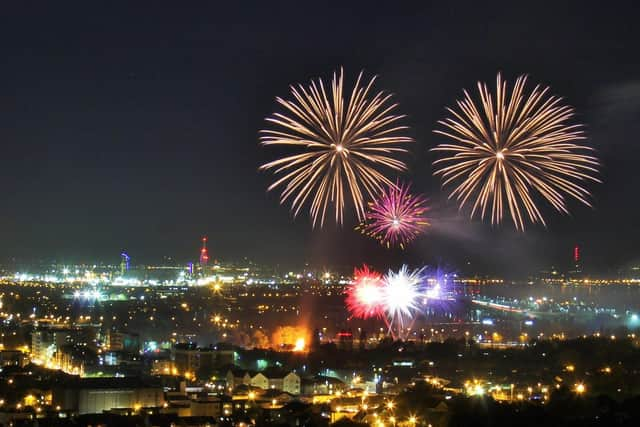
434	292
403	292
364	295
512	149
396	217
342	144
396	298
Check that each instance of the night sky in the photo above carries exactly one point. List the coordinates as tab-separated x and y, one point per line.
131	126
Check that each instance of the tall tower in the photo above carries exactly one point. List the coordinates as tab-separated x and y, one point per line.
124	262
576	268
204	254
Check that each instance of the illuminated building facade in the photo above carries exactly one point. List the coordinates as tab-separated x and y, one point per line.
189	359
204	254
13	358
576	271
123	341
276	379
97	395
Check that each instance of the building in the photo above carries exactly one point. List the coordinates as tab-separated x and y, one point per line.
97	395
292	383
261	381
13	358
576	270
162	367
186	358
45	342
123	341
321	384
210	406
277	379
238	377
190	359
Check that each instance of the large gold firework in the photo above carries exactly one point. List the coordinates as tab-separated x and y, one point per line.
513	150
342	146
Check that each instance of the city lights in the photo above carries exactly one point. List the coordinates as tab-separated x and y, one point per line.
235	310
419	306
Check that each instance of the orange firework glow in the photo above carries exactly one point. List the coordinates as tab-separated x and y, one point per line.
300	345
291	338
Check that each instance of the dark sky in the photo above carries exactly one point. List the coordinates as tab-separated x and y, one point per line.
135	126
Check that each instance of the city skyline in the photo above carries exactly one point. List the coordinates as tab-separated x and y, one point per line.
573	260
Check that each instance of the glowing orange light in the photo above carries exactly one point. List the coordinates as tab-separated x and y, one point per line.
299	346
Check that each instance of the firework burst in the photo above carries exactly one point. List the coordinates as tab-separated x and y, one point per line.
365	295
396	217
342	144
403	293
513	149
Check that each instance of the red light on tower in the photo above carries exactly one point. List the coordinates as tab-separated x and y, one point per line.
204	254
576	253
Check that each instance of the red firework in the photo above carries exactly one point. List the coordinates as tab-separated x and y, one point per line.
396	217
365	295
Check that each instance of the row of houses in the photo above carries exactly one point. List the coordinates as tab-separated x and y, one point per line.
277	379
288	382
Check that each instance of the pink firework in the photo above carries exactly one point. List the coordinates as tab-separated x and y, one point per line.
365	296
396	217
